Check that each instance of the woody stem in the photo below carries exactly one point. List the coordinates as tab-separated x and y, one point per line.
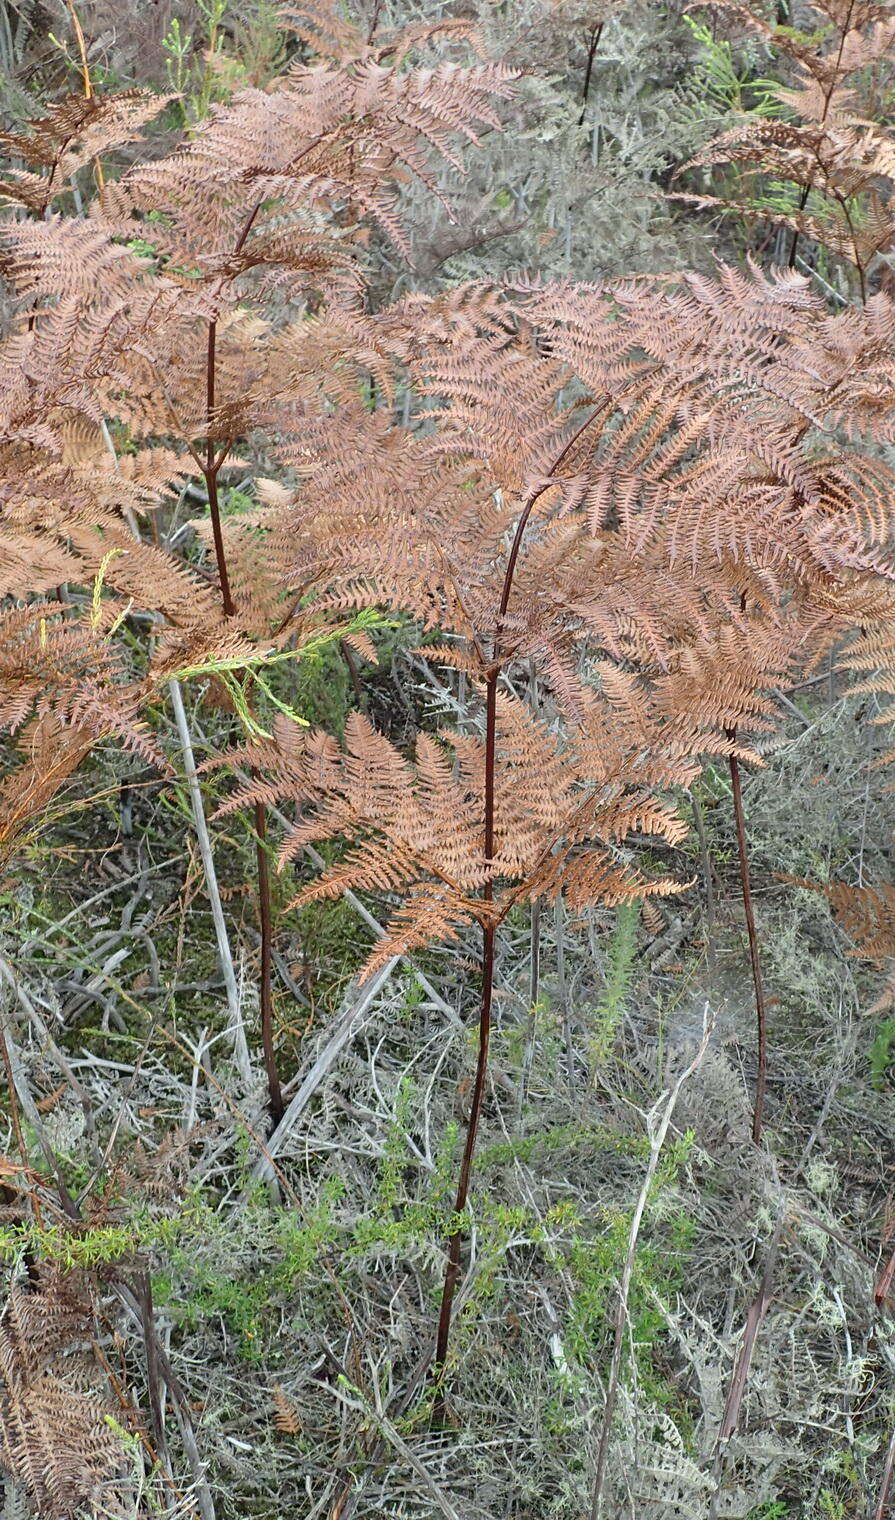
754	957
455	1243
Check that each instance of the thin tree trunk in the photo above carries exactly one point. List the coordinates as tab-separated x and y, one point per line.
754	957
456	1240
489	925
596	34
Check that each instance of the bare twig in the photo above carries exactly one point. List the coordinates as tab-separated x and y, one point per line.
346	1028
225	957
658	1121
739	1382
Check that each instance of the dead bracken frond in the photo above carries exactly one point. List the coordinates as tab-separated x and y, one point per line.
57	1426
616	521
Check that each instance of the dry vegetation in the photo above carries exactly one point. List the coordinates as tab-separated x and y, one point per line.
448	628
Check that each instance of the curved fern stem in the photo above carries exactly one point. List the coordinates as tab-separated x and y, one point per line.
489	925
754	957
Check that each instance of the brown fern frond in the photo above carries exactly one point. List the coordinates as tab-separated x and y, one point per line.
53	666
837	160
56	1439
331	35
71	133
867	915
417	828
320	135
64	257
50	753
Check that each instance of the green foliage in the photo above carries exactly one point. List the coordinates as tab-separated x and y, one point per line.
610	1006
882	1051
322	689
96	1247
597	1263
334	945
727	86
196	63
542	1144
232	45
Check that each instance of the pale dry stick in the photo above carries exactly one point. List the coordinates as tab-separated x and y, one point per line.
846	1368
830	290
394	1439
126	510
345	1030
663	1110
225	956
240	1045
783	699
61	1061
19	1083
739	1382
200	1048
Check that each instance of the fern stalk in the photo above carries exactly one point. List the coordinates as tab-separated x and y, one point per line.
489	926
754	956
835	79
212	466
213	462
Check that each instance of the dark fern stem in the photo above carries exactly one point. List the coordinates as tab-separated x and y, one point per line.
489	930
593	44
754	955
828	100
212	467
